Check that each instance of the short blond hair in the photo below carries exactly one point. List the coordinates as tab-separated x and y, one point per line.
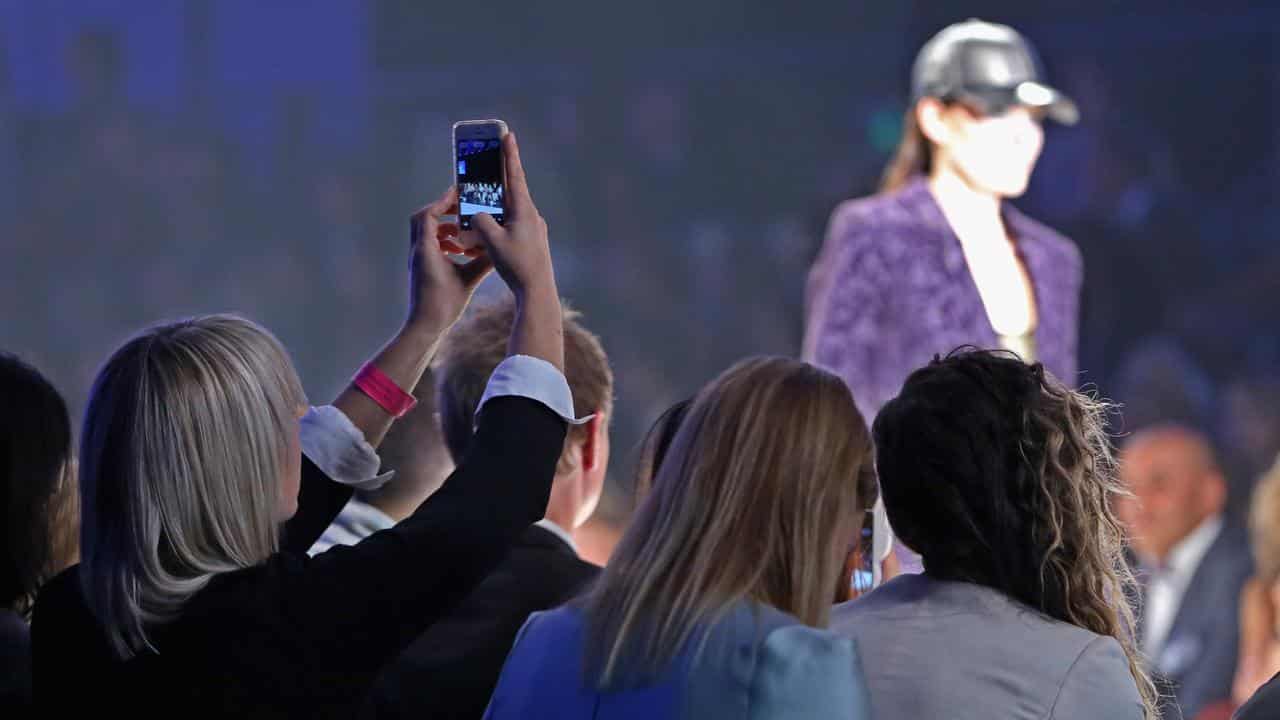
478	344
185	438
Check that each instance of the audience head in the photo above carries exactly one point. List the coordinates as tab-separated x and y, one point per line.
654	447
477	345
189	462
999	475
414	448
37	492
1175	483
1264	525
1160	382
1251	422
755	499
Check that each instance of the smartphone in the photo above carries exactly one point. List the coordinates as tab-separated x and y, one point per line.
480	169
864	575
875	543
882	540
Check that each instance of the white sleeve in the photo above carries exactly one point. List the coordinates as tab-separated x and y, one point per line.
338	448
533	378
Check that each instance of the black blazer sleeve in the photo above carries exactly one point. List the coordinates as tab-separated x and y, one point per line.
354	608
320	499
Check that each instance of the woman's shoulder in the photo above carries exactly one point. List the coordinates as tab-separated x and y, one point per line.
65	636
809	672
894	228
781	642
934	608
60	600
814	649
1098	681
905	207
785	668
566	618
562	627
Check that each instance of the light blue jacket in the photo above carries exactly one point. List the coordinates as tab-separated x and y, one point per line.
757	664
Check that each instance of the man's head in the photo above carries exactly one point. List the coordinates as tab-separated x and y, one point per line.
1176	483
471	352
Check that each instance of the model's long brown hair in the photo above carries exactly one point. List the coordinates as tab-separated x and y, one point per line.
913	157
754	500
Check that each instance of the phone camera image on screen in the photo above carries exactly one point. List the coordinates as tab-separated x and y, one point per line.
864	576
480	186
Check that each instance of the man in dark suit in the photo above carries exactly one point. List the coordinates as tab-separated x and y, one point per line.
451	670
1264	705
1192	562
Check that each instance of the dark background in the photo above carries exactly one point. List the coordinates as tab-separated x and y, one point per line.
166	158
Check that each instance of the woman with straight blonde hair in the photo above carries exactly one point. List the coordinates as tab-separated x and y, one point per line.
711	604
201	493
1260	599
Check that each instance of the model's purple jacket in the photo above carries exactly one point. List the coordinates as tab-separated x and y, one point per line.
891	289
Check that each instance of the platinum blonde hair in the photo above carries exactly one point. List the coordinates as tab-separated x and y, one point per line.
184	442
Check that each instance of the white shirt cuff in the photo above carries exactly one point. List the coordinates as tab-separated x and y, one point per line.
338	448
533	378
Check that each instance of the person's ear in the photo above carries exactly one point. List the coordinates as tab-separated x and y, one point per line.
593	441
933	120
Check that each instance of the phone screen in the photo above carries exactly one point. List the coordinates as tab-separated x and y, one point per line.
864	576
480	179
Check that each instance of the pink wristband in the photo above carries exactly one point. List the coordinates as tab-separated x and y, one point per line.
383	390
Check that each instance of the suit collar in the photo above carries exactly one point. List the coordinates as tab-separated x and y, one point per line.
1182	644
1185	557
918	198
545	533
1027	234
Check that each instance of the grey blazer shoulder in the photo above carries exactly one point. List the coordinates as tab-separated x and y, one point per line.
949	649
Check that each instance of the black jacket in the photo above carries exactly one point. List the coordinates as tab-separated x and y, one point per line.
1195	667
305	637
1264	705
451	670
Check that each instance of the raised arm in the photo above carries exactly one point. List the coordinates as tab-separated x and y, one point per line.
439	291
359	606
339	446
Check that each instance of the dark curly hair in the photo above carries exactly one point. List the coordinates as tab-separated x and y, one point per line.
999	475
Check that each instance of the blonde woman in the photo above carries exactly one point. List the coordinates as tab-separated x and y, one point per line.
1002	479
711	605
1259	620
190	599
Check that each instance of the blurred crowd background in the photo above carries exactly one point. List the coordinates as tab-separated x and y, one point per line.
160	159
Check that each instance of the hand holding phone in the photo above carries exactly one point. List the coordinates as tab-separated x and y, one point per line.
519	249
